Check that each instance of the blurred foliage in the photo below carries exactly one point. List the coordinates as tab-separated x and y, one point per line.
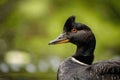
26	27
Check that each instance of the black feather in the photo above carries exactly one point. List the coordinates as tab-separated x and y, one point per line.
69	23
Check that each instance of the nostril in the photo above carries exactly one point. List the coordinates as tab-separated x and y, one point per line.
59	37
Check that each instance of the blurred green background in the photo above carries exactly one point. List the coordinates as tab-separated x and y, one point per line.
27	26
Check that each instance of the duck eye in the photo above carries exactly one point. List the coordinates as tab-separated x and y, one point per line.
74	30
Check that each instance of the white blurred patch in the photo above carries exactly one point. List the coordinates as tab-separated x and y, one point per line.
43	66
17	57
4	67
31	68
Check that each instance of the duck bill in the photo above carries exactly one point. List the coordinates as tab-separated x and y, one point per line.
59	40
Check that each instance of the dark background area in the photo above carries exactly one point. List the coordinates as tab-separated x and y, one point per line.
27	26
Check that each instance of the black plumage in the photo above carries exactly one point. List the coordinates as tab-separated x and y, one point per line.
79	66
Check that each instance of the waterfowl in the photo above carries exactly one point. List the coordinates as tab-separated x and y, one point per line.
79	66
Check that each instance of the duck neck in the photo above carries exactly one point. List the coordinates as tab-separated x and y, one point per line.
85	53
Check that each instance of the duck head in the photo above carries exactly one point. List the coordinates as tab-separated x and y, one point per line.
76	33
